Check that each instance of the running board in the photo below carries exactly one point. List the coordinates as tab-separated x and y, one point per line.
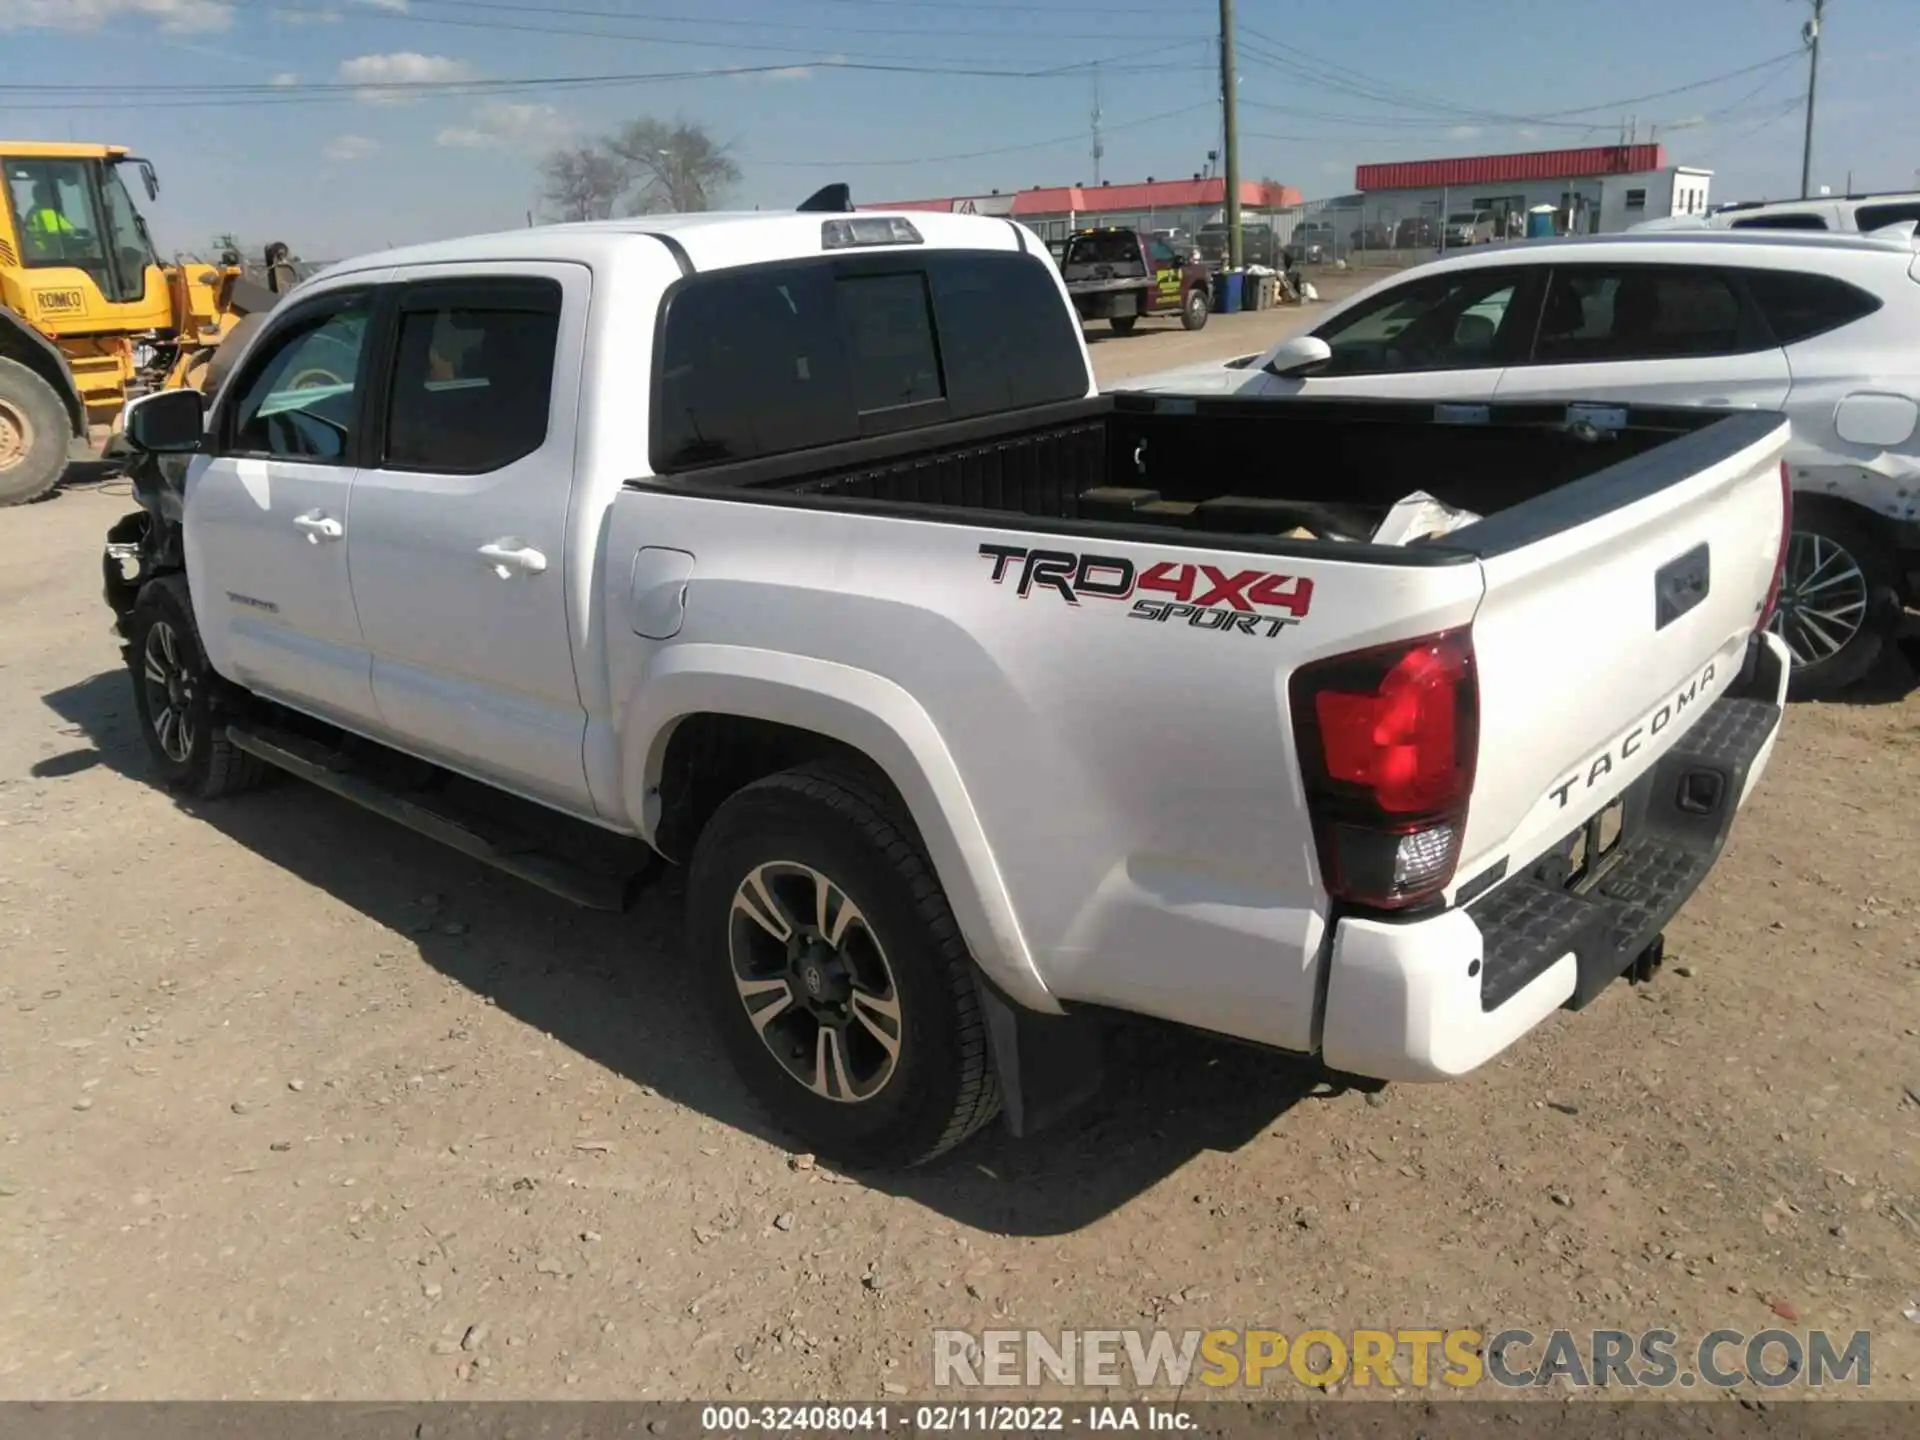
499	847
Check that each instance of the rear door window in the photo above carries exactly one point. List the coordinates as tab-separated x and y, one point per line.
472	375
1791	221
1798	307
1596	313
1873	217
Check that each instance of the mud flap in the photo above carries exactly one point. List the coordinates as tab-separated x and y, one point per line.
1048	1065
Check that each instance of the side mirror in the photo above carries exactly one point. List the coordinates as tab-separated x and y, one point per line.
1297	357
168	422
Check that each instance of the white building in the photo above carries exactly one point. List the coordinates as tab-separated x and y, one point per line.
1595	190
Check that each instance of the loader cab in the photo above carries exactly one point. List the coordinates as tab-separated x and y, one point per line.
75	254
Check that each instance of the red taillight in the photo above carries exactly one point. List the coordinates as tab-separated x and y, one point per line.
1388	739
1786	535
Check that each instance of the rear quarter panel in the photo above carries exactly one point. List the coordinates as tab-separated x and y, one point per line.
1131	785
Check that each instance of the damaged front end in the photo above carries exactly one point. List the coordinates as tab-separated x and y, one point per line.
146	542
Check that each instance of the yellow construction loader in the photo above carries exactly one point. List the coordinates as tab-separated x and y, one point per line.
90	316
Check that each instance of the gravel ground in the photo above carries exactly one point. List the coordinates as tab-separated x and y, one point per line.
294	1103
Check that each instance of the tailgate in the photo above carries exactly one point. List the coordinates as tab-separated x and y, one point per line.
1616	610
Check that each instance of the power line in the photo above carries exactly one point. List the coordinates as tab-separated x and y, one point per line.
1717	147
1365	87
399	90
1074	139
412	17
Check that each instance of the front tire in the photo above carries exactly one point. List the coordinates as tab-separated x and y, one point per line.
1123	324
1840	598
34	433
833	969
1193	314
176	696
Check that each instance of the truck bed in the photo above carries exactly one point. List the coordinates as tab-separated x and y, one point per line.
1255	473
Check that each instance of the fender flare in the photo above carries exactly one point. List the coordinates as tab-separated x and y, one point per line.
874	716
20	341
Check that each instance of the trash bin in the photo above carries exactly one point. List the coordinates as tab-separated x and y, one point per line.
1228	287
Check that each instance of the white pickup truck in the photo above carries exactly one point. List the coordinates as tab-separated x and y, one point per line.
801	549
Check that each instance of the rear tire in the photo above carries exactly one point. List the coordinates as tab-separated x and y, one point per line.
35	431
1840	601
1193	314
177	697
862	1036
1123	324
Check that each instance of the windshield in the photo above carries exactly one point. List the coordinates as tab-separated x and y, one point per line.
1463	219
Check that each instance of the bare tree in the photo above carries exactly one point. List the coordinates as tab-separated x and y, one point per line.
676	165
582	182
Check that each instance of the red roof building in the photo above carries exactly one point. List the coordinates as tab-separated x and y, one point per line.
1468	170
1096	200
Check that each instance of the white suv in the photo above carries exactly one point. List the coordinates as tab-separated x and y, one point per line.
1825	328
1861	214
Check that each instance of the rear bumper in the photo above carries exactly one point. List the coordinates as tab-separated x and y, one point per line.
1434	998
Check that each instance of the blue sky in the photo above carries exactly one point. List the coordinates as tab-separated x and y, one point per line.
1322	88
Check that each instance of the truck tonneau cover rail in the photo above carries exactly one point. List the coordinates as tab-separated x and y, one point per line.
1011	471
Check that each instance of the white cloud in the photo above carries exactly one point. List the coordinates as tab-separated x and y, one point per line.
398	7
286	77
498	125
1529	133
382	73
348	148
172	15
1465	132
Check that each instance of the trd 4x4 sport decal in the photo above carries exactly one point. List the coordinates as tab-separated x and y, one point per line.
1240	602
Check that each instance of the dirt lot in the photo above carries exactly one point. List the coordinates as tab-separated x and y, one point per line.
290	1099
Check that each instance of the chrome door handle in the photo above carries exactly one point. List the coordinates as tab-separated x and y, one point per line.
319	526
507	556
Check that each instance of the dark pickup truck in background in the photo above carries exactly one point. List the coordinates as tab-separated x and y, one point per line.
1118	275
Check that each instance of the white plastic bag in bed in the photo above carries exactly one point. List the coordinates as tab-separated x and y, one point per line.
1420	517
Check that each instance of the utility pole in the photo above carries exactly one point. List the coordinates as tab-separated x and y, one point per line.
1810	33
1231	128
1098	149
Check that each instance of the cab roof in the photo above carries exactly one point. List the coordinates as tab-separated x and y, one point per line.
716	240
49	150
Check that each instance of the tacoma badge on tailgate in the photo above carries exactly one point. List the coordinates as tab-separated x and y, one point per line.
1628	745
1243	602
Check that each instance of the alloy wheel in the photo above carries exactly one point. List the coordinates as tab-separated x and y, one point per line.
170	690
815	982
1823	598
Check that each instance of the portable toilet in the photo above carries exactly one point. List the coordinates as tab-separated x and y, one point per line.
1540	222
